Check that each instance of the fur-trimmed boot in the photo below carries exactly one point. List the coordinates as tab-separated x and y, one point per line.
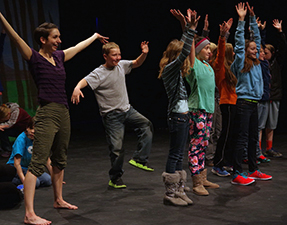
184	177
198	187
207	183
181	187
171	181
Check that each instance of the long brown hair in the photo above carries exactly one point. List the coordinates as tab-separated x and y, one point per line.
170	54
248	62
230	78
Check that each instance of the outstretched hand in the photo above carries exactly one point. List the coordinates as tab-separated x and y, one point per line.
260	25
178	15
144	47
2	127
250	9
192	19
206	23
225	27
75	99
277	24
102	39
241	10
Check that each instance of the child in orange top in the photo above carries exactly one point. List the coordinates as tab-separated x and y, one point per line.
225	82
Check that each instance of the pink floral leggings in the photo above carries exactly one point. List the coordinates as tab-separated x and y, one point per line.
199	131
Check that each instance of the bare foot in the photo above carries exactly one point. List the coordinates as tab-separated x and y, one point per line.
36	220
64	205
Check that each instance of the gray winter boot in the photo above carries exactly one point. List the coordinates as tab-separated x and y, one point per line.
171	181
181	189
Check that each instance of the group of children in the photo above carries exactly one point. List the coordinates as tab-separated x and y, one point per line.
244	78
238	80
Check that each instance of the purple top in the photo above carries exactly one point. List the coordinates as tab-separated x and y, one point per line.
49	79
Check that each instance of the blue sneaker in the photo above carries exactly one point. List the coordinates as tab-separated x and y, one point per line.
21	188
220	171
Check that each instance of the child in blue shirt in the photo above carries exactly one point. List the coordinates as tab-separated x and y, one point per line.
21	157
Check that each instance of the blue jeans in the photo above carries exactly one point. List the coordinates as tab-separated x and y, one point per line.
178	125
114	123
43	181
246	134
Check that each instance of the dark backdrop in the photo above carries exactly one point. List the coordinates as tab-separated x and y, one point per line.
130	22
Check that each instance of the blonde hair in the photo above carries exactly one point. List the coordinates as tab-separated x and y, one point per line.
213	49
108	46
170	54
4	111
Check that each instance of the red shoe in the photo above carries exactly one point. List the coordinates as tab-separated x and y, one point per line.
240	179
263	159
258	175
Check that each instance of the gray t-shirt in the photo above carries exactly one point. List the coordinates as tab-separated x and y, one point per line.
109	86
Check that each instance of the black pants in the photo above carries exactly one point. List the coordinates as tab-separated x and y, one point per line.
245	134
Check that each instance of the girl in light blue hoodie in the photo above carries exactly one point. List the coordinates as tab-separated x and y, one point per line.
249	89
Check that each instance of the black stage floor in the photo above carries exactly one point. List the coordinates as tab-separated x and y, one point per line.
262	203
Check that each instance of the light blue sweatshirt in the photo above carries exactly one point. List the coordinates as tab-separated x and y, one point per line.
249	85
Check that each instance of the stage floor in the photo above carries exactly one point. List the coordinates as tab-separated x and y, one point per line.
86	176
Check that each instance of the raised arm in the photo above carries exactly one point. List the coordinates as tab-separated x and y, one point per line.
71	52
21	45
254	27
194	21
139	61
205	31
239	48
282	43
75	99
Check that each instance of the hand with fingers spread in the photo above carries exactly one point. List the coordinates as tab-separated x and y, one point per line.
192	19
250	9
224	28
277	24
241	10
179	16
260	25
102	39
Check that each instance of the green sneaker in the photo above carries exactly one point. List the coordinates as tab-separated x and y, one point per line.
143	166
119	184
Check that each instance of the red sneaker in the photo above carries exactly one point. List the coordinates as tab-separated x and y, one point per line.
258	175
241	179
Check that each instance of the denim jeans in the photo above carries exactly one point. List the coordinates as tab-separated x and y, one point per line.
223	154
178	125
43	181
114	123
246	134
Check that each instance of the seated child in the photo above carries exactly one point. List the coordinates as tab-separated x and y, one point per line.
21	157
13	121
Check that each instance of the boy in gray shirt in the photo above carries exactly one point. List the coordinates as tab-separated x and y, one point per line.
108	83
